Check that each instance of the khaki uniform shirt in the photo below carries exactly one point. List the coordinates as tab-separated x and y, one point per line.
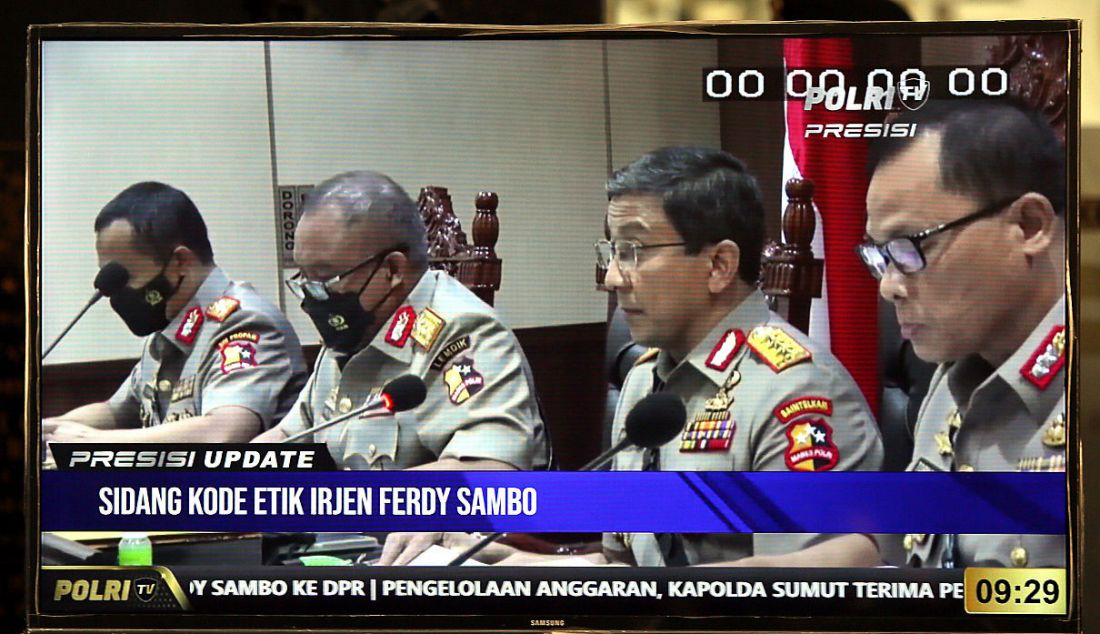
760	396
481	397
228	346
1011	418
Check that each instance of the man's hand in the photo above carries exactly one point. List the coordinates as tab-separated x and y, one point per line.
401	548
60	430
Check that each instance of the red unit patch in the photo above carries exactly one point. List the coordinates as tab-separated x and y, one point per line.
788	411
189	327
1047	360
726	348
401	326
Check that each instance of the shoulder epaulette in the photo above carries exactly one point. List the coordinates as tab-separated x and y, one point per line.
776	348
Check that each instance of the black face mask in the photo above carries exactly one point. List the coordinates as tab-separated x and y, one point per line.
341	319
143	308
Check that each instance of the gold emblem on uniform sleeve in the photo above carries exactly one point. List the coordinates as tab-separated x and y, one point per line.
776	348
427	328
943	444
1055	433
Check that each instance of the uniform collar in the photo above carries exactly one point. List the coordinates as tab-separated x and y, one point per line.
1013	372
752	312
418	299
213	287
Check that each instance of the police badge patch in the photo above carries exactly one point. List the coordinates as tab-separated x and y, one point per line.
810	446
462	380
238	351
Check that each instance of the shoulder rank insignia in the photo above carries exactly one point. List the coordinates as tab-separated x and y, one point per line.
723	351
463	381
1055	433
788	411
222	307
649	354
401	326
776	348
449	351
1047	359
810	446
190	325
427	328
238	351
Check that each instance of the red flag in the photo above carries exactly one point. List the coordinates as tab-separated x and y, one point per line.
837	168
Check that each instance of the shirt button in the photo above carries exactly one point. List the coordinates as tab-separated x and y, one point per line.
164	385
345	405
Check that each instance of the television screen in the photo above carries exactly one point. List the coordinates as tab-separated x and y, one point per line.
671	327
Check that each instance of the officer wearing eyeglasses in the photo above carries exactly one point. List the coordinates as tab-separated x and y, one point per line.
220	363
365	284
966	234
686	230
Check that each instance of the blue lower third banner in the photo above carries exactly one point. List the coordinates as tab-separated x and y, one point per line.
681	502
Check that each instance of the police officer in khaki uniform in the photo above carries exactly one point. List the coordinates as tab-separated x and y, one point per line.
364	282
967	231
220	364
686	231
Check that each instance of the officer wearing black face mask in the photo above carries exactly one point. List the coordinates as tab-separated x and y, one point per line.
220	363
381	313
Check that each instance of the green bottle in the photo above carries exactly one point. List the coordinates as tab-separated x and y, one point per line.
135	549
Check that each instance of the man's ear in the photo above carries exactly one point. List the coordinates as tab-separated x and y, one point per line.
1035	223
725	262
396	268
182	259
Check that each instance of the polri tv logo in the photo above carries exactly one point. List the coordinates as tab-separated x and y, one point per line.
911	92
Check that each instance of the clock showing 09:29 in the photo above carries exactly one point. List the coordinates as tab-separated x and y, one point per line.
1015	590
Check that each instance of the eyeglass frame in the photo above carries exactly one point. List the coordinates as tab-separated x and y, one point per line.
298	282
638	246
917	238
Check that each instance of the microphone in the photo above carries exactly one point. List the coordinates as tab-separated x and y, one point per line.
111	279
652	422
401	394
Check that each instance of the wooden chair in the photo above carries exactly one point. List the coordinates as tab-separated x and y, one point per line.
477	267
790	275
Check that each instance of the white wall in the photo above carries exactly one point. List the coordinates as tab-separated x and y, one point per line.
525	119
656	96
189	114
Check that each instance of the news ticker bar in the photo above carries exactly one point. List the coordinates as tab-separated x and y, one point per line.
639	501
546	591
